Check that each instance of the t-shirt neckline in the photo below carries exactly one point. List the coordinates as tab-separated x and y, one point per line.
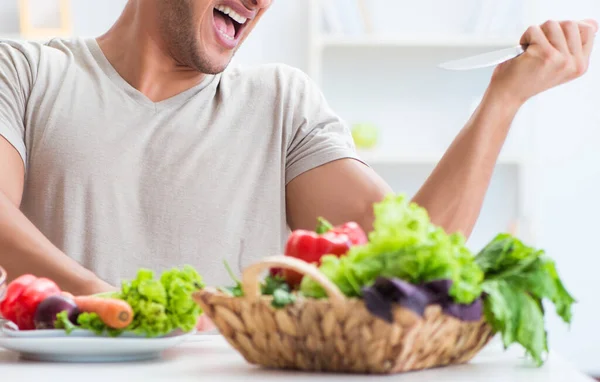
135	94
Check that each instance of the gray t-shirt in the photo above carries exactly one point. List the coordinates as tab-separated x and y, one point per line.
119	182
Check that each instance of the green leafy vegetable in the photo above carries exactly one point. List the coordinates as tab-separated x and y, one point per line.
63	322
273	283
517	316
236	290
277	287
517	280
282	298
404	244
159	305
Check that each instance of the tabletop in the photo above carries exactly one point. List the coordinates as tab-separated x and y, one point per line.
210	358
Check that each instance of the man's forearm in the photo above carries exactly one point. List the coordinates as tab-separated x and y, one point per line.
454	192
24	249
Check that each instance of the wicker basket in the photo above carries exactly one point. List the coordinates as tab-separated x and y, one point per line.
336	334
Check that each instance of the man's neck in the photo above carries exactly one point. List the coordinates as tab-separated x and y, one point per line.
137	52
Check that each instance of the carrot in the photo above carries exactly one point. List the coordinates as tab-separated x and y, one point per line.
67	294
115	313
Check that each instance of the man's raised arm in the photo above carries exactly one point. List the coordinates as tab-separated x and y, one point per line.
453	195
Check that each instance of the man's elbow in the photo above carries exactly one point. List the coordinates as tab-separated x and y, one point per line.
367	212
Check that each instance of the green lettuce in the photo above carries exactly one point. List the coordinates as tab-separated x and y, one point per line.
518	278
404	244
160	305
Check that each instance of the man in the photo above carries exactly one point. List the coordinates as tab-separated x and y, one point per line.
142	149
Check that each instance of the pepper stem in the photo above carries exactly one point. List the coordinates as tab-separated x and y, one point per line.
323	226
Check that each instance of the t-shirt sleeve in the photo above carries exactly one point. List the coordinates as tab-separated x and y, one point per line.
15	85
319	135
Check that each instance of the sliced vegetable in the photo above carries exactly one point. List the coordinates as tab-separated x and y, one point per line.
23	296
47	311
115	313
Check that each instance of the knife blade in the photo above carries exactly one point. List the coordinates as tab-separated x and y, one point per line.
484	60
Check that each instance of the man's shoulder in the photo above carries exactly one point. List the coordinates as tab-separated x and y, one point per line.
274	76
35	55
20	51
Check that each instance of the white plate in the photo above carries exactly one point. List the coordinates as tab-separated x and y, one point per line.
84	346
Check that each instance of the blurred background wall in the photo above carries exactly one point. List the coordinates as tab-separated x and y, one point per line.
547	183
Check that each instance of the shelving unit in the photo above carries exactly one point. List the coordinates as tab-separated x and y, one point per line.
423	51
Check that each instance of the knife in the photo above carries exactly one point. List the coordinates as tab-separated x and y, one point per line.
484	60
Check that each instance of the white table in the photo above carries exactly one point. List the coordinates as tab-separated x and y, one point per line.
210	358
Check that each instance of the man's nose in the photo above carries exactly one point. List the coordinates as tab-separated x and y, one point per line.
261	3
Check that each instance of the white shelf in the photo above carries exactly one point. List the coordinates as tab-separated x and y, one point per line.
335	41
379	158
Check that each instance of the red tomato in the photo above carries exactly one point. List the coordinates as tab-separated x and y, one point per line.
13	292
23	296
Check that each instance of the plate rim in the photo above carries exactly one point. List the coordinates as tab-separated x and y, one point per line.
48	334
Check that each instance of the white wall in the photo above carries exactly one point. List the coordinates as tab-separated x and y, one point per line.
90	17
567	176
568	163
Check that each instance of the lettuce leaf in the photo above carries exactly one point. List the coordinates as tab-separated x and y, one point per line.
517	316
405	245
518	279
160	305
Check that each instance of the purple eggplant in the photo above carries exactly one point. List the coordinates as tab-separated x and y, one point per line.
45	314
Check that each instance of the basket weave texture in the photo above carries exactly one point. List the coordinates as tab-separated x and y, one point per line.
336	334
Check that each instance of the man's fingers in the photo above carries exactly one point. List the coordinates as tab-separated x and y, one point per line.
588	30
555	35
535	36
592	23
572	33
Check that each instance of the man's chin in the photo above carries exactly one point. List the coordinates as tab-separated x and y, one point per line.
216	66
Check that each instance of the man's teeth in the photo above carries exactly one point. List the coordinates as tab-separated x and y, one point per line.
228	37
231	13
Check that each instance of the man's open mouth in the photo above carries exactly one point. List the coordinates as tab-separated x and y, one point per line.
228	22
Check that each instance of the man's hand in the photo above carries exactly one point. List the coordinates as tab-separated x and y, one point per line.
23	248
557	52
205	324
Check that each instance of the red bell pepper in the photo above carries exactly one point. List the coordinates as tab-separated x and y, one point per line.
23	295
311	246
355	233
